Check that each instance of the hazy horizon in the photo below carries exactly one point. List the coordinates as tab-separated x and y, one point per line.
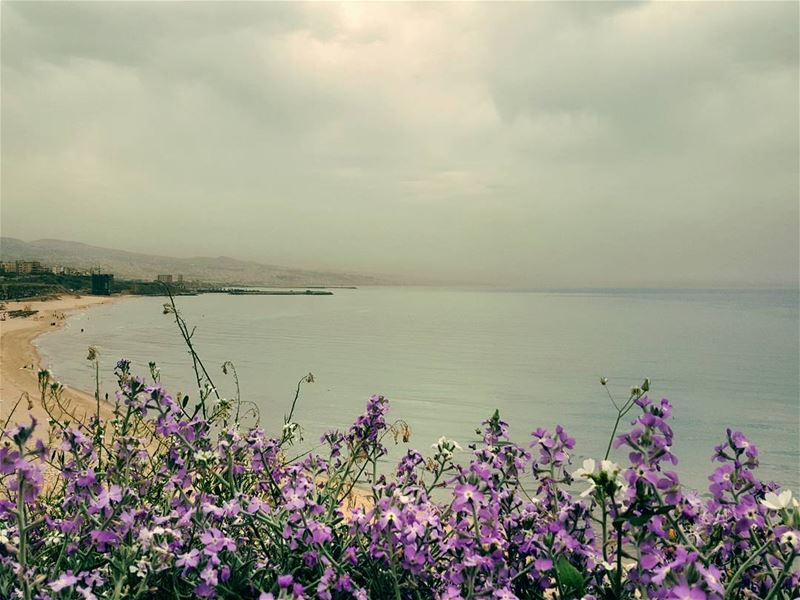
536	145
464	284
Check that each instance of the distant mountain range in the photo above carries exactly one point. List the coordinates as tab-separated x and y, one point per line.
133	265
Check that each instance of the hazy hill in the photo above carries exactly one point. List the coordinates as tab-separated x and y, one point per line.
133	265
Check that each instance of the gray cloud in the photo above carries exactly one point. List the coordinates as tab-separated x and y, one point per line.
540	144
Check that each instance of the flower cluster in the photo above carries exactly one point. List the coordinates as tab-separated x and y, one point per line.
168	500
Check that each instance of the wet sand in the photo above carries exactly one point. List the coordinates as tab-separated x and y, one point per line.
20	362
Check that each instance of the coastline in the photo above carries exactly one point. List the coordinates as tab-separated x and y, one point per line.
20	361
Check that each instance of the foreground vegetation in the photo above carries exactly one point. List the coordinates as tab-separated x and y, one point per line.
180	499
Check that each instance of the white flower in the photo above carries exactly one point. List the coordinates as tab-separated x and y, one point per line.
54	538
611	468
141	567
205	456
620	495
587	470
292	432
446	446
145	537
775	501
401	497
790	539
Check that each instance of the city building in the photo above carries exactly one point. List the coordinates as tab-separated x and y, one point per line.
101	284
22	267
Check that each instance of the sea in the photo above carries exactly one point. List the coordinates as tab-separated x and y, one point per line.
446	358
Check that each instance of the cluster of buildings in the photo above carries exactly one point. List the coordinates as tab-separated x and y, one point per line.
23	267
34	267
60	270
101	283
169	278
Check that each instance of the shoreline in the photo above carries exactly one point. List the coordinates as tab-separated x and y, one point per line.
20	361
18	353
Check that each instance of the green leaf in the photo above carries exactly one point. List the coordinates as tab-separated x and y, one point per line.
570	578
641	519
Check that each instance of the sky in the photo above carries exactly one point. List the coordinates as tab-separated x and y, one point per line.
524	145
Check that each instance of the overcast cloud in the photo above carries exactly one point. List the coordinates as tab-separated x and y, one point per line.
513	144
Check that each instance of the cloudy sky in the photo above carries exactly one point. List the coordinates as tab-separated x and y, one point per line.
512	144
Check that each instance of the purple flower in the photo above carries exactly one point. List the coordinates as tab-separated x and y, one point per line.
498	520
320	533
65	580
188	560
215	541
105	498
543	564
104	538
466	494
88	479
685	592
712	577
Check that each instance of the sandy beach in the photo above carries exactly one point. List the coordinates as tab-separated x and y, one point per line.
20	362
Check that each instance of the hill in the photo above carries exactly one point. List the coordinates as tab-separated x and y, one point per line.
134	265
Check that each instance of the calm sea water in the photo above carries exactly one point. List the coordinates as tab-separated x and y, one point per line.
447	358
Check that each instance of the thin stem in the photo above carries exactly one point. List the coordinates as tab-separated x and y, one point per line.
197	364
23	535
787	565
230	364
21	396
613	435
621	412
744	566
305	378
97	387
619	561
605	525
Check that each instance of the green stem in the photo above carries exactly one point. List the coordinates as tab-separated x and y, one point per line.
613	435
97	387
118	587
786	566
618	584
605	526
395	583
753	557
23	536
